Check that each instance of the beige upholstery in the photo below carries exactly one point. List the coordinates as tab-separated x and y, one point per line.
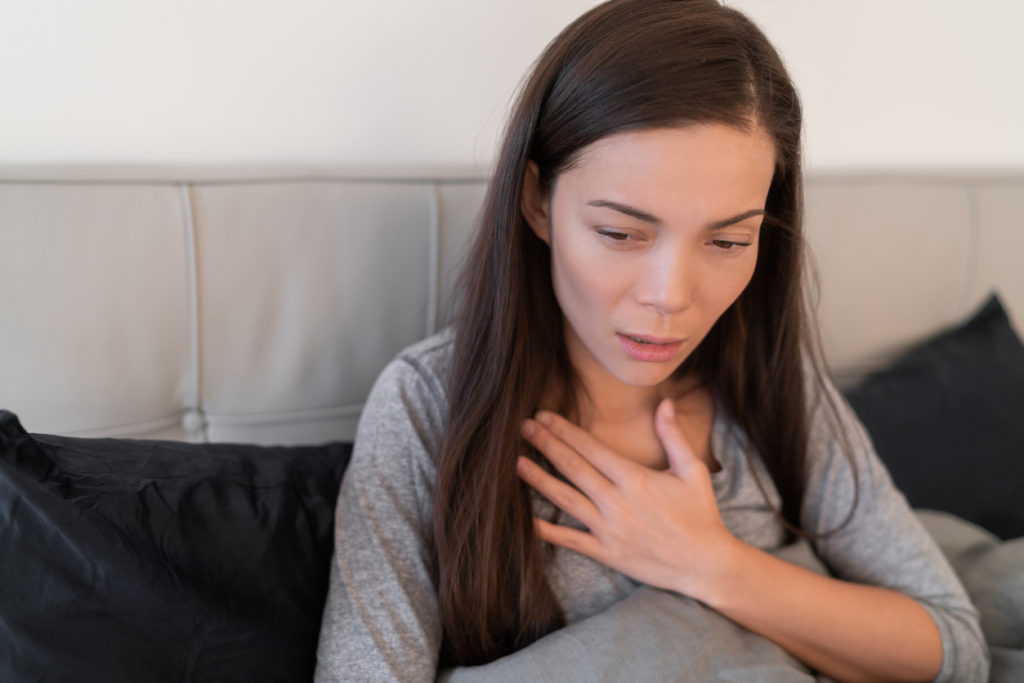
258	305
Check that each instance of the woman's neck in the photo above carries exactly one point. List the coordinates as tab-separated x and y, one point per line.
621	415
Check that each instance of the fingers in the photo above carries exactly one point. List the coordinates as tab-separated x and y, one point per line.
561	495
573	455
567	537
611	465
681	459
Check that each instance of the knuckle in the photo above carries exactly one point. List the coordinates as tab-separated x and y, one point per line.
578	541
633	481
572	469
568	540
618	513
560	497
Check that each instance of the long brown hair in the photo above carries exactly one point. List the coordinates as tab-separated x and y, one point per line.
624	65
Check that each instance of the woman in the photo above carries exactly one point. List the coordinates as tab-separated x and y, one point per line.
629	394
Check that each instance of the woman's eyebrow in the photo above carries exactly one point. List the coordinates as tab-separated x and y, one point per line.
626	209
649	218
718	225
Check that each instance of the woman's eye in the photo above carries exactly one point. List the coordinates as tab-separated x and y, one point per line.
729	245
614	236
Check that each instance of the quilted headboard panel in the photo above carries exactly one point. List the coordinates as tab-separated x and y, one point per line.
899	257
260	305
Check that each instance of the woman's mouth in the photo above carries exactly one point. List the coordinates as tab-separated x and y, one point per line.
649	349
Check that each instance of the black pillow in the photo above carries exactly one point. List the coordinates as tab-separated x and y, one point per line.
136	560
948	421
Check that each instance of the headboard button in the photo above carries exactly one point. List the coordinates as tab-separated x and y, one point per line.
192	422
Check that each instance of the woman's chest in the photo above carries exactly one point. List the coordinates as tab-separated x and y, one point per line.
638	440
585	587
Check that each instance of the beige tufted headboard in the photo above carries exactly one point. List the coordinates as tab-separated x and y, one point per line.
259	305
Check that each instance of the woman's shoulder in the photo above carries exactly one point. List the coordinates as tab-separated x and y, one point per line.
845	476
391	475
420	371
829	416
411	390
429	358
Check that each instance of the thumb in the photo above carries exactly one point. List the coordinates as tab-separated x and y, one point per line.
680	455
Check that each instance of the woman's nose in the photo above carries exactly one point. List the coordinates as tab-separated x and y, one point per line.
668	281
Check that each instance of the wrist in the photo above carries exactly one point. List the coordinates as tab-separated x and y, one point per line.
720	570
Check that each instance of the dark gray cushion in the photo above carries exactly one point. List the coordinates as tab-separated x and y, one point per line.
134	560
948	421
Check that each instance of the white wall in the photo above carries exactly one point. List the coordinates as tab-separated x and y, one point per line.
885	83
904	83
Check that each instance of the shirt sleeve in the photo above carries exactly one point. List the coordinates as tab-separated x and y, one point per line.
380	620
883	543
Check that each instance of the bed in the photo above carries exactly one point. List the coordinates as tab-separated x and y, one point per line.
186	352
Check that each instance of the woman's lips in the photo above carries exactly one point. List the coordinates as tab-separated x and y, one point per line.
649	349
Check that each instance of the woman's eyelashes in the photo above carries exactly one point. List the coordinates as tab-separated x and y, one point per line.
619	239
733	246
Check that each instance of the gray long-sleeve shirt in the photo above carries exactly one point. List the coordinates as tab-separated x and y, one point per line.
381	619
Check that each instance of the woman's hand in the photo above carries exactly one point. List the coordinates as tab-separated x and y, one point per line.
661	528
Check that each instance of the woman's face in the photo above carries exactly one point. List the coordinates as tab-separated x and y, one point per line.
653	235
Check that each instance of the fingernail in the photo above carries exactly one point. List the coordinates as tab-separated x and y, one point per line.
529	428
668	407
544	417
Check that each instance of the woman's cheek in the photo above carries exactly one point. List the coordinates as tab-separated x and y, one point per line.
739	277
576	275
590	278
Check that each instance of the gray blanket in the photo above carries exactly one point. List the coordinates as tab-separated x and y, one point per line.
657	636
992	571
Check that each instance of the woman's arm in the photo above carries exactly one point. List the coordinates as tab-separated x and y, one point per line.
849	631
663	528
380	620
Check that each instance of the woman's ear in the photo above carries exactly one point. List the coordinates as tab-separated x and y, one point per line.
534	205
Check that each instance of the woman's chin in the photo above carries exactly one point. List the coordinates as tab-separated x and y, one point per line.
647	375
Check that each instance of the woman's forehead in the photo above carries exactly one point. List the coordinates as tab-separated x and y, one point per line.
665	167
